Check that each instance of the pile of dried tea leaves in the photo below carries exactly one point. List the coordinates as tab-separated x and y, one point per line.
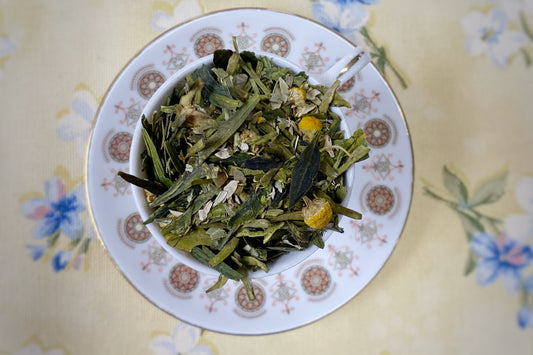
246	162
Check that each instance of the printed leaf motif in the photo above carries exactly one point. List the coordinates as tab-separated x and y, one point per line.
470	263
471	225
455	185
380	57
490	191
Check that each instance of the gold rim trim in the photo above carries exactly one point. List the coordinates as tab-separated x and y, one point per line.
196	18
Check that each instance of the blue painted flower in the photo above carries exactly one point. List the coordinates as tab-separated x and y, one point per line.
75	125
344	16
59	211
490	34
36	251
500	256
525	314
61	260
524	317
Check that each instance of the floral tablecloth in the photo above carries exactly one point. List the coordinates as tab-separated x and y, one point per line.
460	280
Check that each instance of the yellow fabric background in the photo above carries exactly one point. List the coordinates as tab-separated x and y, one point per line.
460	109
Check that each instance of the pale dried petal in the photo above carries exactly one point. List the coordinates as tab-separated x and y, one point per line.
202	213
223	153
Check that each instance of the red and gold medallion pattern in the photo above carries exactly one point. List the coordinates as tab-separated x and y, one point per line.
276	43
315	280
119	147
241	299
149	83
135	230
378	132
380	199
207	44
183	278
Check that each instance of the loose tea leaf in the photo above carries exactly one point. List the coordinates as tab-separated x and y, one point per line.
203	254
152	186
304	172
232	156
156	161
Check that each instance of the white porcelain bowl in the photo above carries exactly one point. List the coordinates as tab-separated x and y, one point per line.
137	147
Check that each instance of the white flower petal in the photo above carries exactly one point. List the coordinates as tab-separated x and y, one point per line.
85	105
54	189
326	12
353	18
161	21
162	345
185	337
186	9
201	350
7	46
76	125
519	226
508	43
36	208
512	8
69	128
34	349
474	22
498	19
475	46
524	193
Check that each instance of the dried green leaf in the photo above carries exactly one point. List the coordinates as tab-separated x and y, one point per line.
154	187
226	251
254	263
156	161
211	87
250	209
304	172
193	239
221	281
203	255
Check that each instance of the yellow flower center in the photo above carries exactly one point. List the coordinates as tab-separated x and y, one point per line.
317	214
309	126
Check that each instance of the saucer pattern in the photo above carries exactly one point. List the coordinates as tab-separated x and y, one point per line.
328	279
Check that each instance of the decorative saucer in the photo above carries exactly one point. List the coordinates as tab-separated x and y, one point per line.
308	291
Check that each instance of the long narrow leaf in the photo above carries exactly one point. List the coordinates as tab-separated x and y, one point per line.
159	171
304	172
